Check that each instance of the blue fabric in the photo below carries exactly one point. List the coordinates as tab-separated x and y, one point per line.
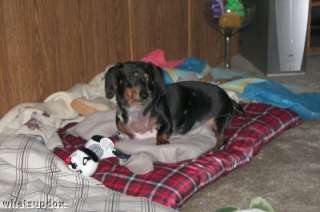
307	105
167	78
193	64
191	68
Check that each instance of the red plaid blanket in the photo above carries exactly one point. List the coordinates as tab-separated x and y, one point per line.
172	184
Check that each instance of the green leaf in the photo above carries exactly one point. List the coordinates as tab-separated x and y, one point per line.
261	203
227	209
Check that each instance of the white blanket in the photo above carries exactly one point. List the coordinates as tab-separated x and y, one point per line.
32	177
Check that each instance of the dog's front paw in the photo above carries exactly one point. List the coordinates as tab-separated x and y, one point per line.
123	128
162	139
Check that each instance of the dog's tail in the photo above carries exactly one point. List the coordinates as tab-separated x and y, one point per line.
237	109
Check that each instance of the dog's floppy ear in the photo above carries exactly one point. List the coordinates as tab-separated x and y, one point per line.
111	80
157	75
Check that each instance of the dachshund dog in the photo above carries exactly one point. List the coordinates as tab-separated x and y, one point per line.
145	104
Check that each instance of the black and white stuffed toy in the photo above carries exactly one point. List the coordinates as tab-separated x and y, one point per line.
86	160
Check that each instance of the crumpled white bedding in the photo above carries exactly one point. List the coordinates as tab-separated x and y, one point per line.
33	177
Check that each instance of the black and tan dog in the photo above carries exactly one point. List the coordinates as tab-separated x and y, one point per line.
144	103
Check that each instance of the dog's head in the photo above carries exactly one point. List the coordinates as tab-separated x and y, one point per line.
134	83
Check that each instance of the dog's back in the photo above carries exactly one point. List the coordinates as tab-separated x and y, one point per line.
192	102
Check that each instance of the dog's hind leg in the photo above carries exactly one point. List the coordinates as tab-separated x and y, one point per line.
219	125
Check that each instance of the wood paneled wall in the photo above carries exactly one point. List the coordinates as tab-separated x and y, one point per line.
48	45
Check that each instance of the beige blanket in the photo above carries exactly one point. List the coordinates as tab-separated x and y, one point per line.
145	152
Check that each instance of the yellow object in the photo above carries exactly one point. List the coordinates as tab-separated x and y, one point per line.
230	20
85	107
239	85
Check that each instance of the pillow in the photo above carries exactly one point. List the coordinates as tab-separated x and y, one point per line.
172	184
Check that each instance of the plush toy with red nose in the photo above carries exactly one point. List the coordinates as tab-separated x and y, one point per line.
86	159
